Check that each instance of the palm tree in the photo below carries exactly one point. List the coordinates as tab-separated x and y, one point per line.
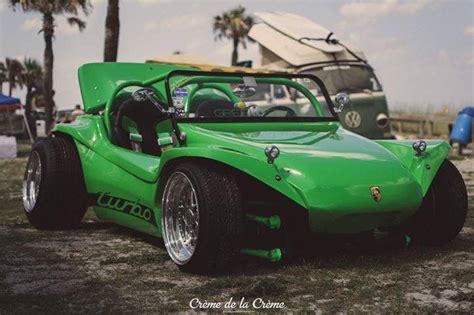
49	9
112	30
32	77
3	75
14	70
234	25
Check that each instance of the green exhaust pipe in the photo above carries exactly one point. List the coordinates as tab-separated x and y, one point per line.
407	240
273	222
273	255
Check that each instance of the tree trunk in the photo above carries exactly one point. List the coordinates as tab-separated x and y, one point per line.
48	32
235	54
28	100
10	89
112	30
31	122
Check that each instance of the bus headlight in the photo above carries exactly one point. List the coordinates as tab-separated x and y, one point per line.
382	120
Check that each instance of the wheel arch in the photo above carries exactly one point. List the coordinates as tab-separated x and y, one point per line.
424	166
252	190
167	167
86	129
262	173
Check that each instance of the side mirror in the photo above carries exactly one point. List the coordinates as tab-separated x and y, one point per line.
341	100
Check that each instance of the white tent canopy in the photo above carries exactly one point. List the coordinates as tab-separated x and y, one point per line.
290	38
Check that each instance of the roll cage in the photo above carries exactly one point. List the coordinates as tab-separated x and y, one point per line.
203	77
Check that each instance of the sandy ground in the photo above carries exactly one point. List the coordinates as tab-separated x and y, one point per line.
105	268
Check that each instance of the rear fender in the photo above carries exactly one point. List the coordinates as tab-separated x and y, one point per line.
424	166
89	130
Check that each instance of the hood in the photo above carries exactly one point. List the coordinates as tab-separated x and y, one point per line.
330	168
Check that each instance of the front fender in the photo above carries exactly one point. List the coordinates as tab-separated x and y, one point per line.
253	166
423	167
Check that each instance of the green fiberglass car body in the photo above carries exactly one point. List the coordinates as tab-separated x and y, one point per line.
185	155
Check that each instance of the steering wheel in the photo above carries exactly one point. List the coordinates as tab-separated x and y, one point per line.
289	112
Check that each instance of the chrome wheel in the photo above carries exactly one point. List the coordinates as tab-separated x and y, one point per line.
180	218
31	181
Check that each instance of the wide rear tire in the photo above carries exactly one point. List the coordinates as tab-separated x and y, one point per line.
202	217
444	208
54	194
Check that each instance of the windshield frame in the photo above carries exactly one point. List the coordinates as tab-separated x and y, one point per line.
326	95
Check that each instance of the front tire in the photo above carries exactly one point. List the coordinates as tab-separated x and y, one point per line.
54	194
201	217
444	208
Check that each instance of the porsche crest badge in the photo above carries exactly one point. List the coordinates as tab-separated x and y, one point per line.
376	193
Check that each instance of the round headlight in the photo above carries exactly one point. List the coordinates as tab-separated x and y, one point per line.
419	146
271	152
382	120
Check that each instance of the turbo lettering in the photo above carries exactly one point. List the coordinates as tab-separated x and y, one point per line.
105	200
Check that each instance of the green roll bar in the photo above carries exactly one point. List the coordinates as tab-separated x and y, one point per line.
236	78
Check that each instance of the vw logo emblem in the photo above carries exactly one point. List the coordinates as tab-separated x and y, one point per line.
352	119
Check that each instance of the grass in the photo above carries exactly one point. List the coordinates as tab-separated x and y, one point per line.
262	286
11	174
135	260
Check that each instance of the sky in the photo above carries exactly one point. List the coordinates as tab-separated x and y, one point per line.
422	50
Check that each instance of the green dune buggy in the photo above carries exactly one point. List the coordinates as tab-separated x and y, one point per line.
187	156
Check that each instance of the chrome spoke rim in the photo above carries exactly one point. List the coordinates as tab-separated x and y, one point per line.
180	218
32	181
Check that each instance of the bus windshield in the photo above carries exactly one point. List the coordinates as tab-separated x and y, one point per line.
347	78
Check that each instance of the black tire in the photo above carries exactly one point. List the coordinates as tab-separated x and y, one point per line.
444	208
220	217
62	197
